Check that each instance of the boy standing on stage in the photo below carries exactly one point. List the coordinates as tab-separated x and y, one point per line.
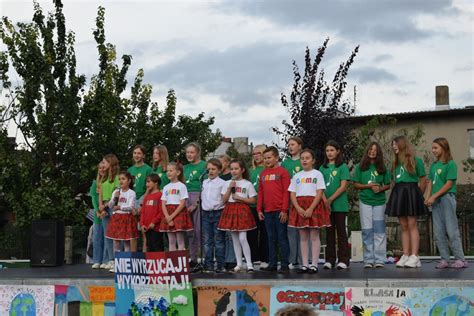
272	207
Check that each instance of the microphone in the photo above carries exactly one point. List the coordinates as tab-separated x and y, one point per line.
232	190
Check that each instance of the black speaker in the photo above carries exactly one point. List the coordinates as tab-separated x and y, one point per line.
47	243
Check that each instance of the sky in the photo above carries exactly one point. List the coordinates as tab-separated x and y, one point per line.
233	59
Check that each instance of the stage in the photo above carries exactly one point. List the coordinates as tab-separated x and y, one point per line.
355	276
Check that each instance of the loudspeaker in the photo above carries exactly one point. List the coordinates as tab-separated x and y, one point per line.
47	243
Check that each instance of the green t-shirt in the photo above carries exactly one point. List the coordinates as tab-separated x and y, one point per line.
95	201
109	187
440	173
333	176
371	175
140	174
402	175
163	176
193	174
254	172
292	166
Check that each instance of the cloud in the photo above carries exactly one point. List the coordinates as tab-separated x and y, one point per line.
382	57
369	74
467	67
386	21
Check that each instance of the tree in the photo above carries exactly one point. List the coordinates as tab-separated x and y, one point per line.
317	109
67	125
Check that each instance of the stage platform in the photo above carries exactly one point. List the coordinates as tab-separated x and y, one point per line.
355	276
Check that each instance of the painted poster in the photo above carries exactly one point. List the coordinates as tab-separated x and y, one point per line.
153	281
327	301
367	301
441	301
27	300
245	300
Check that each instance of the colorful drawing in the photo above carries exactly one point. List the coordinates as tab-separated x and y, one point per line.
377	301
26	300
442	301
152	282
327	301
233	300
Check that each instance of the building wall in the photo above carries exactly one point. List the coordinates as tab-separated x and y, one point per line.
454	129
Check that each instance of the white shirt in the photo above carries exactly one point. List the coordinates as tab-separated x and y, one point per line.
243	188
173	193
305	183
211	197
126	201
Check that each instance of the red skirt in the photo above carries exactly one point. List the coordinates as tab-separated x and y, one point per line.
237	217
182	221
320	217
122	227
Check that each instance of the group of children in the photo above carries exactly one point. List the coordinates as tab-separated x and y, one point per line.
249	211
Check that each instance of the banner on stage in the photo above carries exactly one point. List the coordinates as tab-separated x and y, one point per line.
27	300
327	301
366	301
153	281
441	301
245	300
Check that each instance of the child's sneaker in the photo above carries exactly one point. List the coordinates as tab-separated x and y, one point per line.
327	266
443	264
379	265
341	266
368	265
413	262
313	269
263	265
250	270
104	266
459	264
402	261
96	266
236	269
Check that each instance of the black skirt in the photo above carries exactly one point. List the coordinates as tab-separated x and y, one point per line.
406	199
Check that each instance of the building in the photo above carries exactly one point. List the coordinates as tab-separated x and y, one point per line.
241	144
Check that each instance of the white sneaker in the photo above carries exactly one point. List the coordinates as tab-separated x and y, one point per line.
112	270
413	262
402	261
104	266
263	265
291	266
327	265
96	266
341	266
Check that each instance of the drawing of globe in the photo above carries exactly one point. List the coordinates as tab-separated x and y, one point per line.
453	305
23	305
237	303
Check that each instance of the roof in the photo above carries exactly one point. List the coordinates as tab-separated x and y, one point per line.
469	110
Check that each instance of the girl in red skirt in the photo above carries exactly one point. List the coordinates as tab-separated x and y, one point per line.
309	212
122	226
176	221
237	218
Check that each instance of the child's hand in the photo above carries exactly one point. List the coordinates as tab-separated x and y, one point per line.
283	217
171	223
328	203
375	187
232	184
429	201
192	208
261	216
144	229
308	213
117	207
117	193
236	197
300	211
151	226
101	207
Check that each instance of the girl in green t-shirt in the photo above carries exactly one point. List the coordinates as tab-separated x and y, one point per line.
336	175
98	235
160	164
372	178
406	200
442	198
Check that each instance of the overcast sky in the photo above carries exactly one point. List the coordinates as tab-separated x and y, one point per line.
232	59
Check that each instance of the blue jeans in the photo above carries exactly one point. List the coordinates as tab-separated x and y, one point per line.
229	249
98	242
108	243
372	222
213	239
446	228
277	233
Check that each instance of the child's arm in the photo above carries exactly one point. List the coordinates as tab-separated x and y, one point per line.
116	194
181	206
285	181
342	188
250	200
294	201
422	184
228	192
316	200
432	198
260	200
157	219
165	210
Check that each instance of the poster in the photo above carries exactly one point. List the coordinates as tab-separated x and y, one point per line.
441	301
153	281
327	301
72	300
245	300
367	301
27	300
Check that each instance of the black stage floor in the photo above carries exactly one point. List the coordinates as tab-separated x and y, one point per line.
355	272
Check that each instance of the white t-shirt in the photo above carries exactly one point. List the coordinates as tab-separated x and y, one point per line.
243	188
305	183
173	193
211	197
126	201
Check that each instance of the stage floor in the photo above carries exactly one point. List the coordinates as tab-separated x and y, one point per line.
82	274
